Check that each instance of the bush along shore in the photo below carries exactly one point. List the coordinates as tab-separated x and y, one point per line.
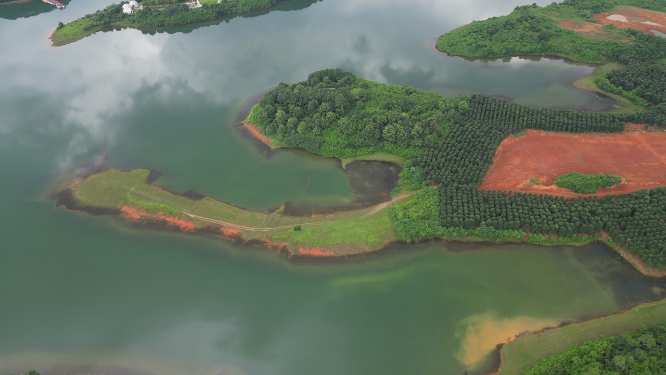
450	145
639	352
153	16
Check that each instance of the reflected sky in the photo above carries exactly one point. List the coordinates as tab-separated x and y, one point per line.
83	87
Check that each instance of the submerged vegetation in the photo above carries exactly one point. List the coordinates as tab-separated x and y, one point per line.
586	183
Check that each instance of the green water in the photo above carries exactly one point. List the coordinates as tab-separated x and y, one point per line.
85	294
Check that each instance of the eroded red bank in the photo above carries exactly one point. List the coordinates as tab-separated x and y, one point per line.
316	252
136	214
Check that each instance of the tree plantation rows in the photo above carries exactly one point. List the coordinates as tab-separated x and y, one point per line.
466	154
335	113
639	352
461	161
533	30
634	220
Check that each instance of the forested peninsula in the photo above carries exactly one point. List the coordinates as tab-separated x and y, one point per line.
154	13
450	145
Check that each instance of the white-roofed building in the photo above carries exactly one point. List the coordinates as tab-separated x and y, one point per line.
134	4
127	9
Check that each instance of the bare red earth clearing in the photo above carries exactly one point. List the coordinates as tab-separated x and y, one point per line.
625	17
639	157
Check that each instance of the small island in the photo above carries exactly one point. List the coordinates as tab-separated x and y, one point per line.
154	13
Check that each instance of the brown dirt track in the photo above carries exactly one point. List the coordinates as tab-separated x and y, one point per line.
638	156
641	19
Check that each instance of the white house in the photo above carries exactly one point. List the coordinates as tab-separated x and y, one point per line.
127	9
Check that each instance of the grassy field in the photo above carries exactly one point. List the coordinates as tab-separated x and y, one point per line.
336	234
520	354
73	31
587	83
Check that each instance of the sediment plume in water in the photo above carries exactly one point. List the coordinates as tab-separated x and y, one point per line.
481	333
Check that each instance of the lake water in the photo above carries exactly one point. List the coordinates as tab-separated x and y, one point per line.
84	294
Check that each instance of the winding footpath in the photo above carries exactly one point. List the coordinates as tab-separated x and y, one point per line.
264	229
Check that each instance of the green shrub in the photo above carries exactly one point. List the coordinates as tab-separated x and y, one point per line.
586	183
417	218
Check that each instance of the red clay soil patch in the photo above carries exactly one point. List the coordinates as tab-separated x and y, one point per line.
132	213
641	19
315	252
229	232
135	214
184	225
254	130
639	157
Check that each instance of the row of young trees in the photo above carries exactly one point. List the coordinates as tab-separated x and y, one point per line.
639	352
466	154
513	117
335	113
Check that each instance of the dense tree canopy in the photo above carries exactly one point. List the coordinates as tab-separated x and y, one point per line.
639	352
335	113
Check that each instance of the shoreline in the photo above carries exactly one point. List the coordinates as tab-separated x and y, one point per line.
526	335
236	223
244	234
254	133
101	28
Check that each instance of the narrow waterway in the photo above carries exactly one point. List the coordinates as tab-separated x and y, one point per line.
85	294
